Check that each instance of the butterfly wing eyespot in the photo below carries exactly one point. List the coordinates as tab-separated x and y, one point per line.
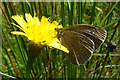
91	32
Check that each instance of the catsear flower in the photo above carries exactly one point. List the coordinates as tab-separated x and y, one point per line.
42	32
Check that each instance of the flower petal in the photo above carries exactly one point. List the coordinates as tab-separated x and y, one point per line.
18	33
18	26
58	46
20	20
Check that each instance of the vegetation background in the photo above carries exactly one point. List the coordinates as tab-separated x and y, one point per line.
105	63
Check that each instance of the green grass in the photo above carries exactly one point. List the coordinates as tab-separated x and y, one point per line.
53	63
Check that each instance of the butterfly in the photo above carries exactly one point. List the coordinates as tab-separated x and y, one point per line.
81	41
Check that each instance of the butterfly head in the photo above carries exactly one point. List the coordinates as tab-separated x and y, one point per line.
59	32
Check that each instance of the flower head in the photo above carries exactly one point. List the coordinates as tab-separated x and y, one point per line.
40	32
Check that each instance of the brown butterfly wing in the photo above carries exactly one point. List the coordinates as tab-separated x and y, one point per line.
80	47
95	33
81	41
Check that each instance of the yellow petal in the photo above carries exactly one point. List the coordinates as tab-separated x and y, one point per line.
18	26
58	46
18	33
20	20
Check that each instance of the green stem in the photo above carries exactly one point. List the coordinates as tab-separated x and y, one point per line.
108	14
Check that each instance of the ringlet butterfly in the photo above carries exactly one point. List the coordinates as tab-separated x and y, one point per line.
81	41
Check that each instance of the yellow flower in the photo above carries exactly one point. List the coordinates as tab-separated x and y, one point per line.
40	32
